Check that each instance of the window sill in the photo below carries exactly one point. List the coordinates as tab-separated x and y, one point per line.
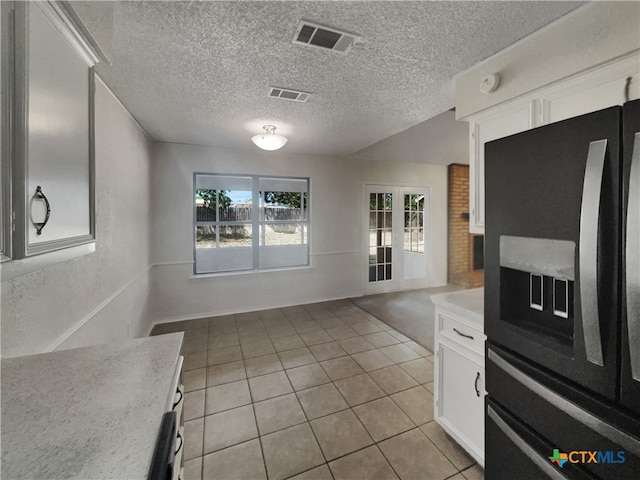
251	272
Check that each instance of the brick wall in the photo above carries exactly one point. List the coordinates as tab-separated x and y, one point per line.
460	240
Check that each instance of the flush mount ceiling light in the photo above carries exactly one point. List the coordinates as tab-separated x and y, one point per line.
269	140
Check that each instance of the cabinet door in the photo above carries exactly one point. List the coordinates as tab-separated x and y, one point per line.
6	34
502	124
58	133
53	180
589	94
460	406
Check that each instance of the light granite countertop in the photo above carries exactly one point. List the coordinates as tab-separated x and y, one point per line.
467	302
86	413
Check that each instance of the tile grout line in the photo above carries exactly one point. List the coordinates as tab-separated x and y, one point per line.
205	407
443	453
255	419
381	398
389	461
314	436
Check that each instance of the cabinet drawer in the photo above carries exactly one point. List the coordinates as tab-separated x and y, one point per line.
178	405
176	384
178	463
461	333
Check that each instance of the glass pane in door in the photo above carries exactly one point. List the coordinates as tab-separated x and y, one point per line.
414	223
414	255
380	236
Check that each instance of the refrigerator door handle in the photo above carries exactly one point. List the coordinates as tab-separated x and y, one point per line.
589	215
594	423
542	462
632	255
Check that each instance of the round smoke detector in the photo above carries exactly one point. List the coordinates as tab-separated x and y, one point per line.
489	83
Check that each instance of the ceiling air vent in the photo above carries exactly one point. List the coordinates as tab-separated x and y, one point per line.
288	94
320	36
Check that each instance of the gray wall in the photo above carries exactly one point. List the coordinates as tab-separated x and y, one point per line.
101	296
441	140
337	237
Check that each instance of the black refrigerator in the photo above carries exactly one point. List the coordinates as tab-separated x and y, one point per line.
562	299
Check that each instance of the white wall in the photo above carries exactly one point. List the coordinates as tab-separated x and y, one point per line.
591	35
101	296
441	140
337	271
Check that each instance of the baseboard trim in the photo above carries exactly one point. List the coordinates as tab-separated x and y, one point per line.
197	316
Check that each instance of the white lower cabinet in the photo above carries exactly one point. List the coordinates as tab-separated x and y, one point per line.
460	398
176	403
178	465
459	380
179	408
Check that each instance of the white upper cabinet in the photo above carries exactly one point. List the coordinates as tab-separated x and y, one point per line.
491	127
58	153
5	140
587	92
591	92
53	90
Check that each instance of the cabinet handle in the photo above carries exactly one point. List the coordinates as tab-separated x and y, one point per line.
578	414
475	384
40	195
462	334
177	402
632	255
541	462
178	437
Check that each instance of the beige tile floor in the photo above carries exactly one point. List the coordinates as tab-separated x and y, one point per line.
320	391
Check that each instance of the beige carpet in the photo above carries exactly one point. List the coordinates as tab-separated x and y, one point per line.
411	312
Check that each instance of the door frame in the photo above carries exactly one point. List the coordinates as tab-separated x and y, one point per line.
397	281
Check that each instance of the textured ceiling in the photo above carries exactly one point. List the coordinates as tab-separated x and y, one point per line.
199	72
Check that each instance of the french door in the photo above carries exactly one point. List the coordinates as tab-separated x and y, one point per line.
395	247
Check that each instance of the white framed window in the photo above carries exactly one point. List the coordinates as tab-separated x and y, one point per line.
249	222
